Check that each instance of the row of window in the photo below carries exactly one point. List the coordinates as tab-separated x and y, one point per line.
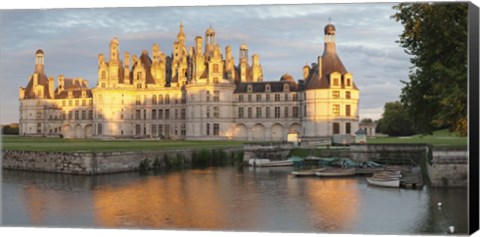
78	115
336	110
216	129
336	128
259	97
268	88
159	100
336	82
77	102
159	114
259	112
336	95
155	130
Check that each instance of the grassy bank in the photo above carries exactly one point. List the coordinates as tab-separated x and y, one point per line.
441	138
91	145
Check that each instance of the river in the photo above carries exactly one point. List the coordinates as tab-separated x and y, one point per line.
228	199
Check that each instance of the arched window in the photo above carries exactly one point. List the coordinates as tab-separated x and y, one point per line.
154	99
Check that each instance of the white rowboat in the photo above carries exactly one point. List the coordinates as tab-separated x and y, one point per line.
307	172
384	182
336	172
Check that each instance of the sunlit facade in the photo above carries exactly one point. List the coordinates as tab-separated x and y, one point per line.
196	93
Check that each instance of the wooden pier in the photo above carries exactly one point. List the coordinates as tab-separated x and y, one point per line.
411	180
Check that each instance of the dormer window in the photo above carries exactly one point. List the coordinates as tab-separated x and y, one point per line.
70	94
348	83
335	81
286	87
267	88
249	88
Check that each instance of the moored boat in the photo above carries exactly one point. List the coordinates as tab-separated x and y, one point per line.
310	172
268	163
360	170
334	172
384	182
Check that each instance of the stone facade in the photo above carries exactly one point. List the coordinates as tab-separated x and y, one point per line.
197	93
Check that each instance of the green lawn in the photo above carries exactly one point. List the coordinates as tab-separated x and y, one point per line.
441	138
91	145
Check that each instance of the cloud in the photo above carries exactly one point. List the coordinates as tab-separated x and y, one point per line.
286	37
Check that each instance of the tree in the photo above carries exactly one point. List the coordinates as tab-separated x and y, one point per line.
11	129
394	121
366	120
435	34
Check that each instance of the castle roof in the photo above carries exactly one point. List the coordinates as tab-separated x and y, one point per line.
42	79
260	87
330	63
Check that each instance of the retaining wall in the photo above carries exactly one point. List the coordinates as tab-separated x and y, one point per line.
448	168
388	152
272	151
92	163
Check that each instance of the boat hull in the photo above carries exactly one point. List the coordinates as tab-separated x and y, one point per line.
268	163
307	172
384	182
336	172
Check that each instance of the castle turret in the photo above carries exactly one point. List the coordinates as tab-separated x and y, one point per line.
257	74
209	42
243	64
39	61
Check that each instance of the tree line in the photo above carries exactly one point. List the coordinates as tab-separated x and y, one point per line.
10	129
435	96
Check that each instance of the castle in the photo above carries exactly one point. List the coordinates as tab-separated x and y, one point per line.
196	93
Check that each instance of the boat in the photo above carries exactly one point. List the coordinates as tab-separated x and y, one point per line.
336	172
360	170
384	182
297	161
310	172
268	163
387	173
386	178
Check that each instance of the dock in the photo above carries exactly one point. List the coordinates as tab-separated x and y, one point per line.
411	179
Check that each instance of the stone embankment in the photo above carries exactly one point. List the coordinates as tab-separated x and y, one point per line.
444	167
88	163
448	168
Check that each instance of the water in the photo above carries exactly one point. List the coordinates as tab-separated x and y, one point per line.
228	199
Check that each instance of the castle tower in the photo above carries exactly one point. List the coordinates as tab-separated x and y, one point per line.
158	66
209	42
329	38
229	64
243	64
199	67
179	64
39	61
114	63
331	105
114	49
257	74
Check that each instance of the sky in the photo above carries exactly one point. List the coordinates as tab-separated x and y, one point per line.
286	37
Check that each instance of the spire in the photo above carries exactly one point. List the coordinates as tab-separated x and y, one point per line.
181	34
39	60
329	37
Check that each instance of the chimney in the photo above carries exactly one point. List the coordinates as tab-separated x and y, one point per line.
61	83
51	85
320	66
